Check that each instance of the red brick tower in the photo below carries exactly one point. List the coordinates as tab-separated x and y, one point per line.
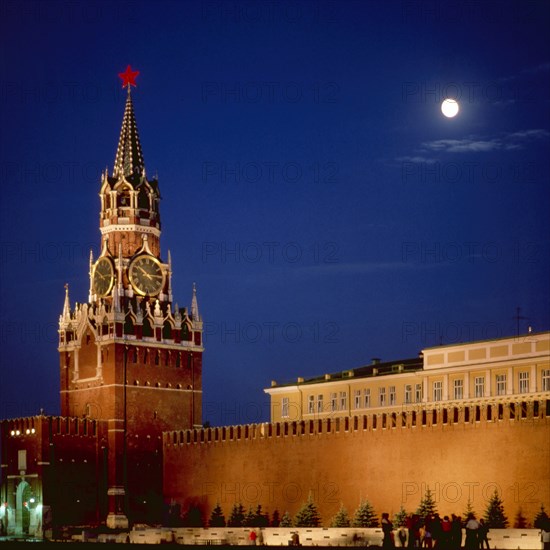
129	356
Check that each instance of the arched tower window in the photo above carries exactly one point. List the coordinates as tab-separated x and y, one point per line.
129	325
124	199
167	331
143	199
147	329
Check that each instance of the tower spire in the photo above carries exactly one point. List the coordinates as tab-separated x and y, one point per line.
129	157
66	315
195	305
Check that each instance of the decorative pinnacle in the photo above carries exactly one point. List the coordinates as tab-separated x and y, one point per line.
67	305
129	158
195	305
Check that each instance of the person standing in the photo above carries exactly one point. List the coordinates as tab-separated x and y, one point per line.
387	529
444	540
482	534
545	534
456	532
472	527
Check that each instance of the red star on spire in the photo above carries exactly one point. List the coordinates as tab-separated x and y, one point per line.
128	77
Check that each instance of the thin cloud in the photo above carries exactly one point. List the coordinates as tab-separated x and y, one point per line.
528	71
477	144
419	159
462	145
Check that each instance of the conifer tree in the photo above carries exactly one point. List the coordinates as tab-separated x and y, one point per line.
401	517
520	521
217	519
427	505
494	513
260	519
541	518
275	519
365	516
469	510
193	517
286	520
237	516
308	515
341	519
249	519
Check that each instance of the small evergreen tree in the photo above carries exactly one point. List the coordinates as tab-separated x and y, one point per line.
520	521
260	519
193	517
541	518
286	520
249	518
217	519
365	516
427	505
494	513
275	519
401	517
341	519
469	510
308	515
237	516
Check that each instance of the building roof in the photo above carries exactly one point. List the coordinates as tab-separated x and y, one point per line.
376	368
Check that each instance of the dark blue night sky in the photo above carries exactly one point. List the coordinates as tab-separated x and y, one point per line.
327	210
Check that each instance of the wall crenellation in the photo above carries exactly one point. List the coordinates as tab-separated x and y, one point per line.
415	417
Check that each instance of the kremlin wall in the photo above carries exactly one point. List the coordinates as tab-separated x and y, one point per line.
388	459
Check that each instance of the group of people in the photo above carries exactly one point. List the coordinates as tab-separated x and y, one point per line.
434	532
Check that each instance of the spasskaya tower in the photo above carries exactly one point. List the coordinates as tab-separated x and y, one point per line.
130	356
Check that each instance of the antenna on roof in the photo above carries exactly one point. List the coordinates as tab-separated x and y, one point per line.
518	317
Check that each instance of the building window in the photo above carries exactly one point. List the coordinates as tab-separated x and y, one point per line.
479	386
546	380
311	404
458	387
366	397
357	399
501	384
333	402
418	393
343	400
408	394
22	460
438	391
523	382
382	396
285	407
392	395
320	403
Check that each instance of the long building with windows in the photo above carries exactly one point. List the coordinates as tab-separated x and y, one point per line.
512	369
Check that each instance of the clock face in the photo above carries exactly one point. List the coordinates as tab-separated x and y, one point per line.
104	276
146	275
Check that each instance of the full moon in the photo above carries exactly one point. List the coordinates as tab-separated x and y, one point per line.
449	108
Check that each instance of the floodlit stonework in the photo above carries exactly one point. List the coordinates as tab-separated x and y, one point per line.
460	446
